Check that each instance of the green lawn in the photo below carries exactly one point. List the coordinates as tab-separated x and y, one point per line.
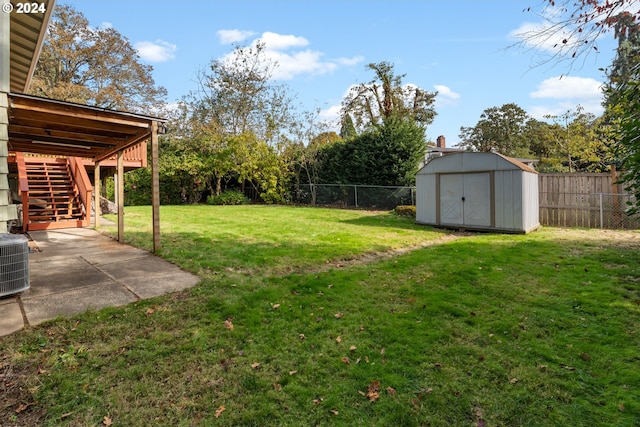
322	317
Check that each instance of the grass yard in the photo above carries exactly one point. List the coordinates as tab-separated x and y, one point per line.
322	317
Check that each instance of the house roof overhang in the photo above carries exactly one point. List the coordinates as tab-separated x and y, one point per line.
45	126
27	32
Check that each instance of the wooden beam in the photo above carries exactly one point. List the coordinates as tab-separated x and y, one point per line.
134	140
120	190
155	186
52	120
75	112
48	132
96	195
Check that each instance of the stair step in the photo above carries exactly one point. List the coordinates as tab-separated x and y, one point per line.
52	196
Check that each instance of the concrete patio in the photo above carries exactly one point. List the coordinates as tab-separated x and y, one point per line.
73	270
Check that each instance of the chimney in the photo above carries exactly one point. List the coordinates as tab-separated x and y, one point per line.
440	142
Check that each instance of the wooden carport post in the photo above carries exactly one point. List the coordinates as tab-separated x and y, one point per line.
120	191
97	211
155	186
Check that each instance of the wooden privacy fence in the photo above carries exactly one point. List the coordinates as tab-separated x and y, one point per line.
591	200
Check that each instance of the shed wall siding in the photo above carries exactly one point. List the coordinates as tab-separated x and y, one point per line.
508	209
530	200
426	199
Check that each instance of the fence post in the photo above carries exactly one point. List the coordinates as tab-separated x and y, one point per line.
601	213
355	194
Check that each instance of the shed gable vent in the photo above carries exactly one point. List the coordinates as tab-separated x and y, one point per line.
14	264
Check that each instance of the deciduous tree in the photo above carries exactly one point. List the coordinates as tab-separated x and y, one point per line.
385	97
237	95
94	66
499	129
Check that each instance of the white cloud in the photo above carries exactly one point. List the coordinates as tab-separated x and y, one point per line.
331	116
539	35
105	25
274	41
350	61
446	96
565	94
284	50
233	36
569	88
158	51
541	112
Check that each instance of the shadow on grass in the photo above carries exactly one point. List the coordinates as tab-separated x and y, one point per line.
390	220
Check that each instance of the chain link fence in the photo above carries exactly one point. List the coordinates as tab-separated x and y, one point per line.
354	196
597	210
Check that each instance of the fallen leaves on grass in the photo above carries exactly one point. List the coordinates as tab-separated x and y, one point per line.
255	365
275	306
479	415
334	412
339	339
391	391
338	315
150	310
345	360
228	324
219	411
352	348
373	390
22	407
107	421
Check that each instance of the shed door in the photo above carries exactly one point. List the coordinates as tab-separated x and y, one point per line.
465	199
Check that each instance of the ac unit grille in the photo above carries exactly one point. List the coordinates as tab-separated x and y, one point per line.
14	264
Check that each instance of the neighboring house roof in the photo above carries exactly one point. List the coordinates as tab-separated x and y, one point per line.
27	35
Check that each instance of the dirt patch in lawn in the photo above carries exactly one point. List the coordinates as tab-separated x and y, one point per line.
17	406
624	239
371	257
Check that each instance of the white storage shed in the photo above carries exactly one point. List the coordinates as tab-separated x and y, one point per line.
480	191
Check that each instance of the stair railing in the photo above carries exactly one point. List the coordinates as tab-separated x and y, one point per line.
23	188
82	186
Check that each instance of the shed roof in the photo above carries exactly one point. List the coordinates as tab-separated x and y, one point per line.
470	161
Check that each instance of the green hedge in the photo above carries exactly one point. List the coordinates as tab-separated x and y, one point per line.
228	198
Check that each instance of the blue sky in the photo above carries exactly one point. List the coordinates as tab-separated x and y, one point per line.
461	48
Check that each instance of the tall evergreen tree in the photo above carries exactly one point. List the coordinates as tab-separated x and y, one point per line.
347	128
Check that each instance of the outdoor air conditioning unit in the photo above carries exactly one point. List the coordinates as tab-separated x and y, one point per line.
14	264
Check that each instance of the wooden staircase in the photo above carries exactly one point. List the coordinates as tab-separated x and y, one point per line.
56	192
